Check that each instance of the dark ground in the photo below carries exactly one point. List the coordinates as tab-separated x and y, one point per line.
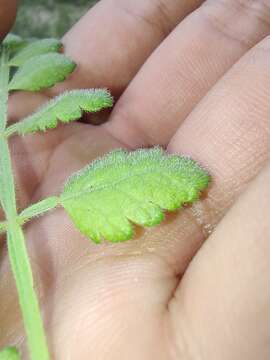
49	18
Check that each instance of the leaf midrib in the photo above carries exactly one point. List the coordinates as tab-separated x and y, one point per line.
92	188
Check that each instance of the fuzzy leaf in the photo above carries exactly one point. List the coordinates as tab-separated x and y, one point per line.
9	353
105	197
42	72
36	48
64	108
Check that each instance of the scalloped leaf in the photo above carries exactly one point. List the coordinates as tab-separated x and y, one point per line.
65	108
36	48
122	188
42	72
9	353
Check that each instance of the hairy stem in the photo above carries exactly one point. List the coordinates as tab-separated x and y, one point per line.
19	260
32	211
4	78
39	208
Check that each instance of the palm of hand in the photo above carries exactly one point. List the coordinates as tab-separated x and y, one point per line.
127	301
123	287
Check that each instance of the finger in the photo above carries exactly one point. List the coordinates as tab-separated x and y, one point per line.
109	44
177	240
126	24
230	137
233	133
7	16
44	173
54	276
113	39
184	67
229	129
229	133
224	296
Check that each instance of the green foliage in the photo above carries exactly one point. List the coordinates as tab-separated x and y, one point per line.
13	43
65	108
36	48
36	73
41	72
9	353
133	187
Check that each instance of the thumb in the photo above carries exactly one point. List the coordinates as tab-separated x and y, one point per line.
7	16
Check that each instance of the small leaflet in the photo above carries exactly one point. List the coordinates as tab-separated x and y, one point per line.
9	353
123	188
65	108
42	72
36	48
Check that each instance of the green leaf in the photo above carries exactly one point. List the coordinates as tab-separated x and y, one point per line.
65	108
105	197
14	42
36	48
9	353
42	72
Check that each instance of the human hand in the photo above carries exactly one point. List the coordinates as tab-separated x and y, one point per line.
7	16
161	295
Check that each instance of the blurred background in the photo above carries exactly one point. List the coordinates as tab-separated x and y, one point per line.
49	18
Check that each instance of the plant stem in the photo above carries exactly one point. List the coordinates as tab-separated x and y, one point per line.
4	79
39	208
28	299
34	210
19	260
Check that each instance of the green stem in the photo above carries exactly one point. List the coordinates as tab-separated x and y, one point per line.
19	259
4	79
11	130
32	211
39	208
28	300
